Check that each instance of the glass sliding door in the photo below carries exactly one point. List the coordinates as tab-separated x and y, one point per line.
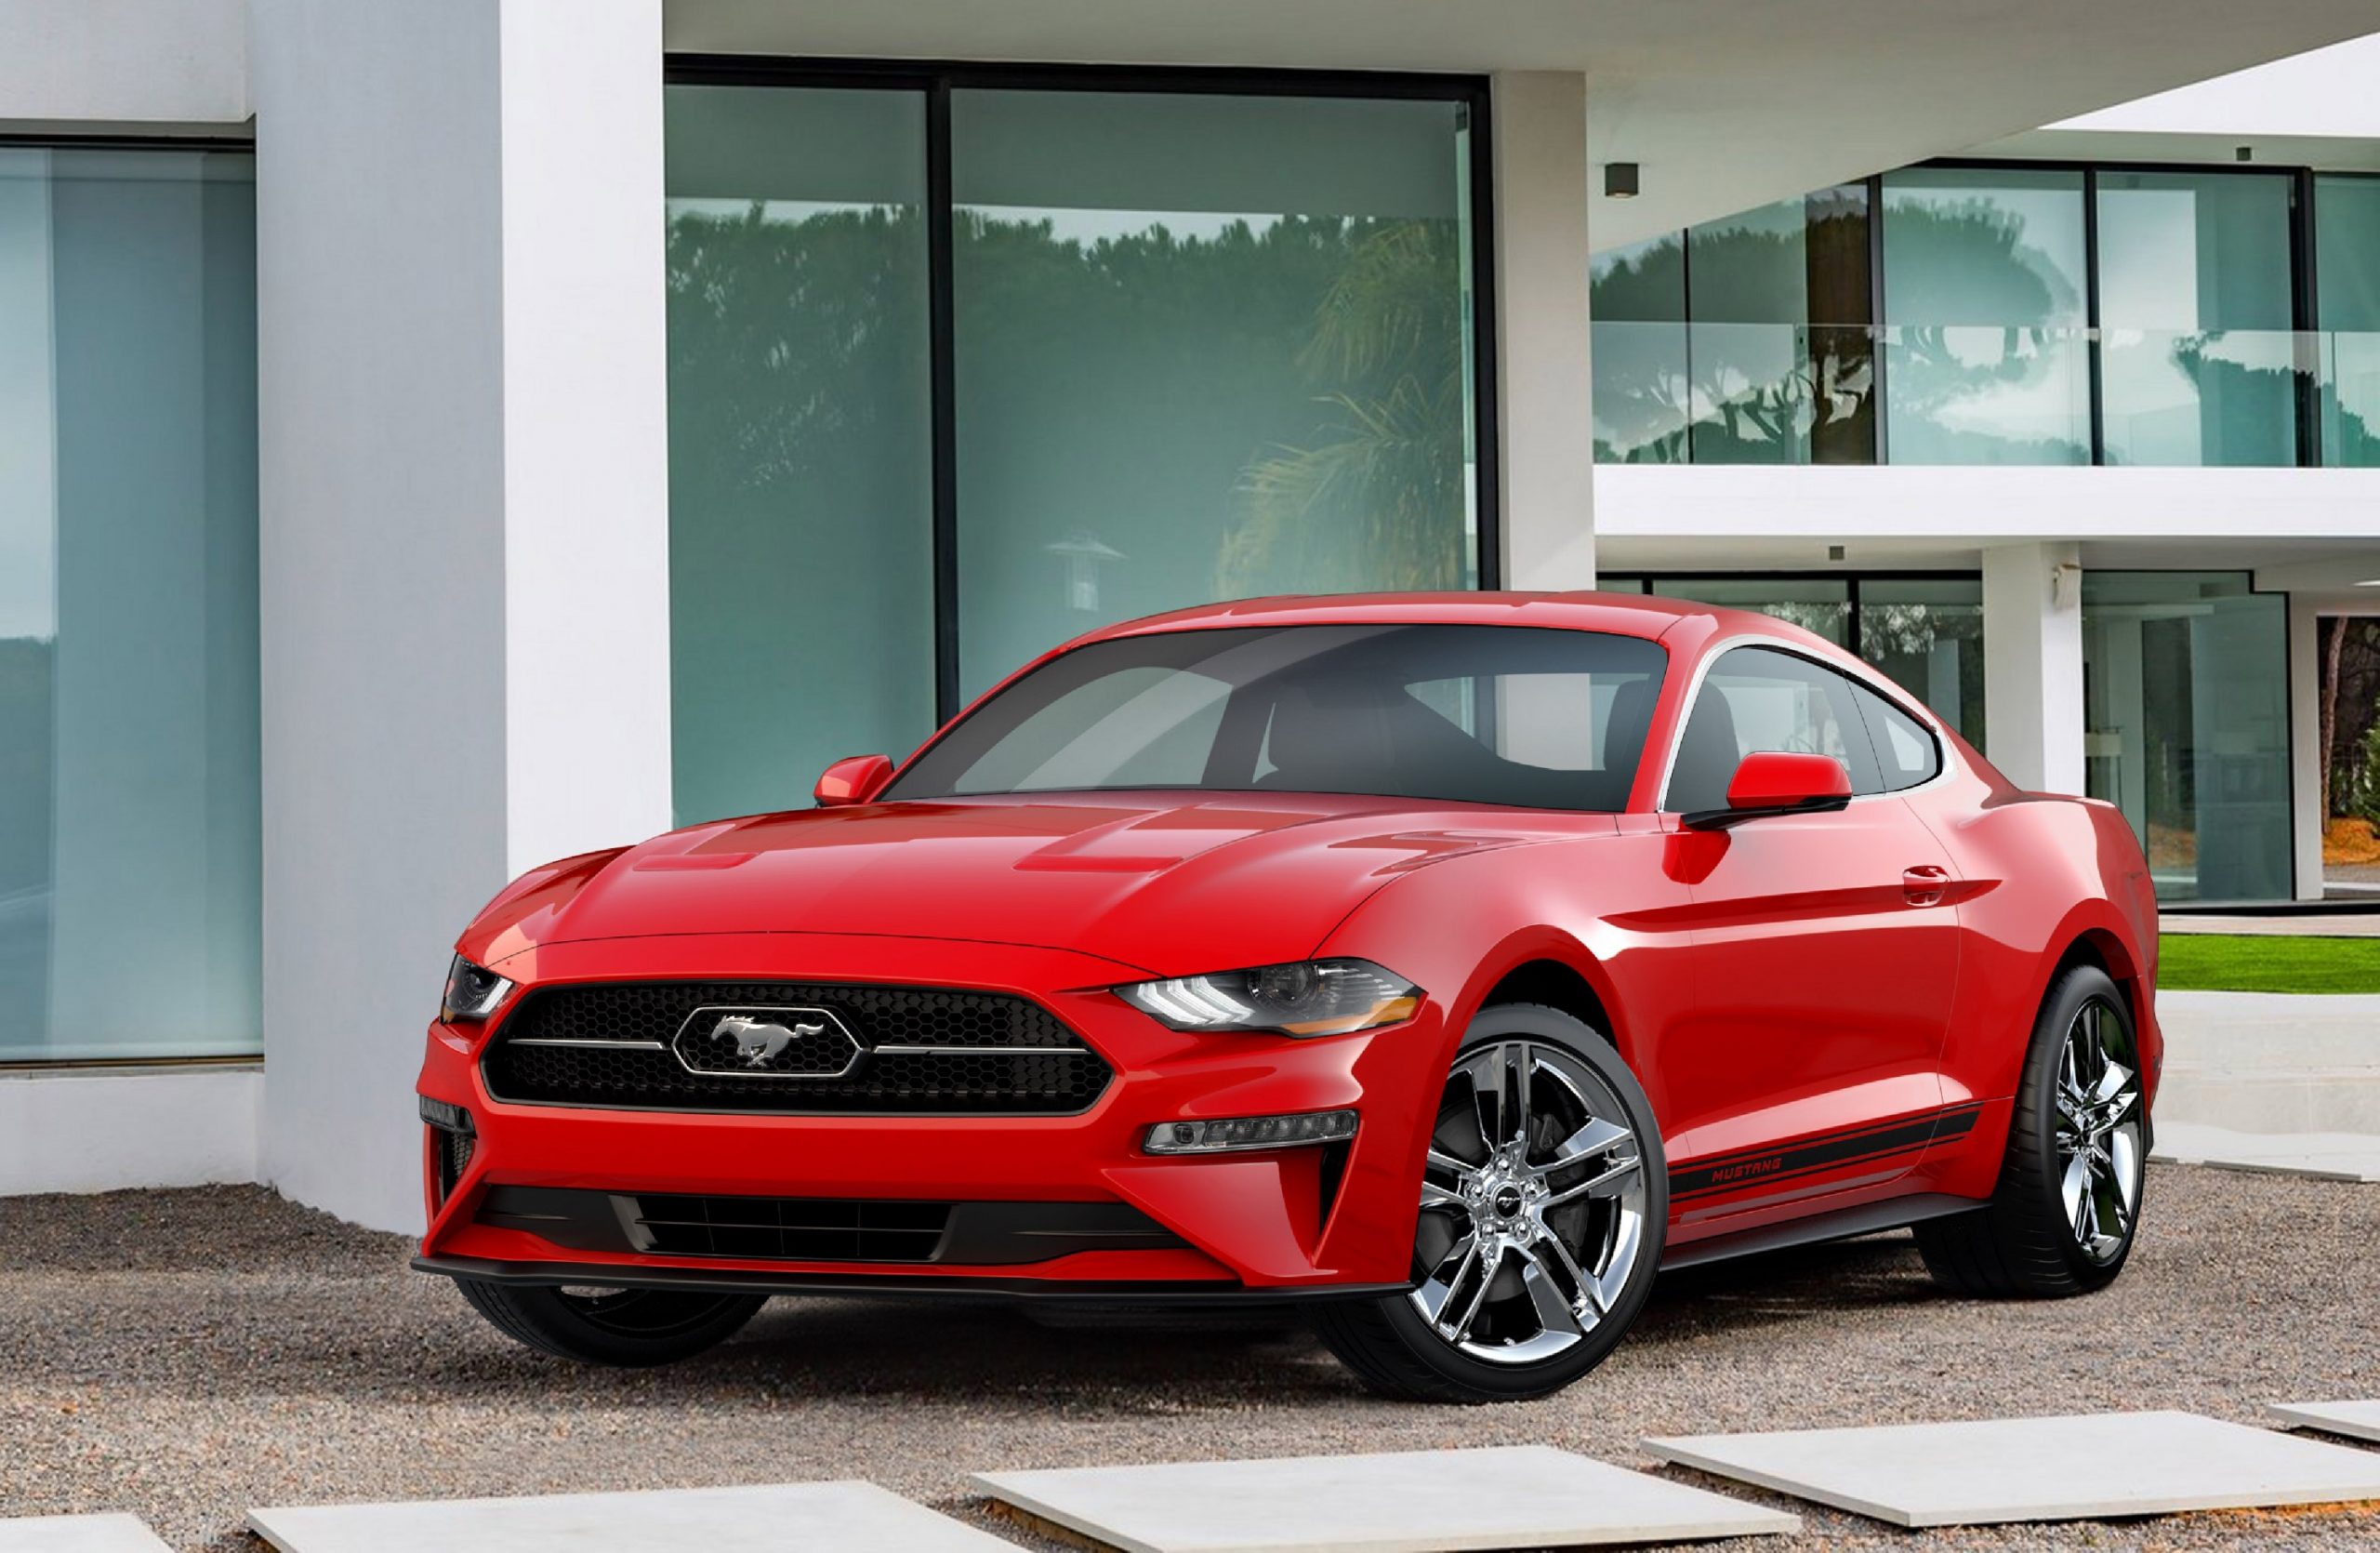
1987	355
2186	695
130	826
2197	358
800	449
1821	605
1927	633
1205	346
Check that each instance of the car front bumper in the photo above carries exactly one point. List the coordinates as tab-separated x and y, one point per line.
1313	1219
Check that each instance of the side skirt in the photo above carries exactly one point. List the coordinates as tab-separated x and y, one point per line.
1898	1212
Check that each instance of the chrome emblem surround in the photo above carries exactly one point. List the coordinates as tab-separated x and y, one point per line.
763	1033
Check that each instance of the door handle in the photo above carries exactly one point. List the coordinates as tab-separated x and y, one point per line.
1924	883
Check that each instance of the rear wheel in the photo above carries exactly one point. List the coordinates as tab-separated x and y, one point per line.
1544	1203
626	1327
2062	1219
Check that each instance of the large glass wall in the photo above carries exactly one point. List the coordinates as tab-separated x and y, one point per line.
1200	346
2008	314
2347	311
800	455
2186	696
1986	317
2197	357
1207	347
129	823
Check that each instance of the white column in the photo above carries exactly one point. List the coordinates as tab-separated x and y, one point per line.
1546	451
464	517
2306	814
2032	664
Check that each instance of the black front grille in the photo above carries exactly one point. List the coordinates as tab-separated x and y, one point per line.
802	1229
454	1155
979	1053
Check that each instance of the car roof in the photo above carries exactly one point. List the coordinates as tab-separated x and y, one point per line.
1619	613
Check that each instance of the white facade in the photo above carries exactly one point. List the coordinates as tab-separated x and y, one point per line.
463	420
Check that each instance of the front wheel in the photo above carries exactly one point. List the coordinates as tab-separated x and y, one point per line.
2062	1219
1543	1203
628	1327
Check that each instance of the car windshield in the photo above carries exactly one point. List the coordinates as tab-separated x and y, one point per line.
1514	715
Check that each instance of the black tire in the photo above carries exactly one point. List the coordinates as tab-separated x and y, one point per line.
1393	1347
2023	1244
631	1328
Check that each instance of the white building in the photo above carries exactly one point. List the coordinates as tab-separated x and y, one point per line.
439	437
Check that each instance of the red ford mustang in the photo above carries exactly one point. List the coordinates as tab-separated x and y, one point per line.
1450	963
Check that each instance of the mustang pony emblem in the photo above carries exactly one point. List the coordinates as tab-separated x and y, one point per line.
758	1041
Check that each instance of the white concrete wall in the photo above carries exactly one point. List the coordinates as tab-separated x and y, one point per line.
2032	665
103	1130
2321	92
1543	372
123	63
464	522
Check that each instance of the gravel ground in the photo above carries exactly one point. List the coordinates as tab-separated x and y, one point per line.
183	1355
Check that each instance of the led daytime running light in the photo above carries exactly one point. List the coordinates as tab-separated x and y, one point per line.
1250	1132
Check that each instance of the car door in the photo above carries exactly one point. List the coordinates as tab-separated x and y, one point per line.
1824	948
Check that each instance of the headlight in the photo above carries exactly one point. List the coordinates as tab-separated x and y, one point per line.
472	991
1309	997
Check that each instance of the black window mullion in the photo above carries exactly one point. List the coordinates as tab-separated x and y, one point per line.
2091	343
942	372
2305	352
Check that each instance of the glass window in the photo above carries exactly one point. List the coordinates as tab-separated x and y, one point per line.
1906	753
1986	358
2347	309
1757	698
1926	634
1636	307
1481	715
2197	360
1207	347
800	454
130	841
1821	605
2186	692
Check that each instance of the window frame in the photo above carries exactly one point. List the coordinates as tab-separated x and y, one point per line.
934	80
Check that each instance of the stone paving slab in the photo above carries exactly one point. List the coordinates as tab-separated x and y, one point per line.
1404	1501
2323	1156
78	1533
2355	1420
796	1517
2057	1468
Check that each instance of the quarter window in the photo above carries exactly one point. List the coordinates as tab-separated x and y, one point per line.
1758	699
1905	748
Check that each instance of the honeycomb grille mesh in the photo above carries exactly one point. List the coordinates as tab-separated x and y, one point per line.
978	1069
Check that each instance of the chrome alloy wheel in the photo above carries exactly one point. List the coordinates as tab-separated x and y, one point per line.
1532	1204
2099	1141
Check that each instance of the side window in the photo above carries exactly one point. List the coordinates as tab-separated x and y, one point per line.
1905	748
1757	698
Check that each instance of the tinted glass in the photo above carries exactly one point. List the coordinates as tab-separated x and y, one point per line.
1986	349
1820	605
2198	365
2185	687
1926	636
130	822
1486	714
1757	698
1906	753
1207	347
2347	307
800	455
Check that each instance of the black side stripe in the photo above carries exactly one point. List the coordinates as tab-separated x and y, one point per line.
1811	1156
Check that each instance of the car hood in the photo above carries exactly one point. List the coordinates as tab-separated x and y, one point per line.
1164	884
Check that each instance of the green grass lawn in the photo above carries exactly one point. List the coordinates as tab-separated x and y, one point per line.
2223	963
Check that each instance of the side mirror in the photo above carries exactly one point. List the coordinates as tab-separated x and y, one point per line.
1777	782
852	780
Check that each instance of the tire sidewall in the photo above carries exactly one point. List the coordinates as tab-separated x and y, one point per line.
1505	1022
